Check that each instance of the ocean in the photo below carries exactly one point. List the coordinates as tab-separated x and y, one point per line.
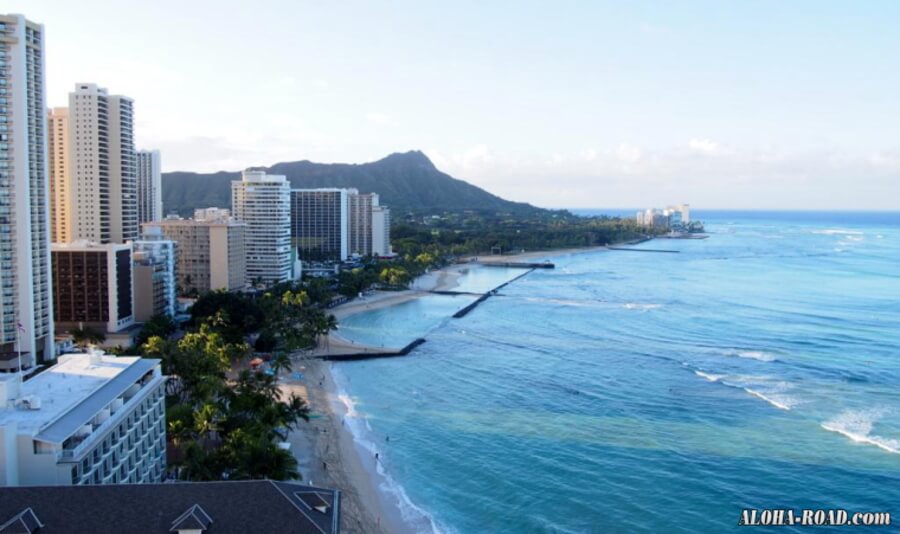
648	392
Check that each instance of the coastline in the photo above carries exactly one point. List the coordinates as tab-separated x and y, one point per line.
329	455
326	448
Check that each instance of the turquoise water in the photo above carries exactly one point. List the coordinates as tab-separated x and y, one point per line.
628	391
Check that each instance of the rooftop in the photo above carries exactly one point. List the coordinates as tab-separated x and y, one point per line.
83	245
71	393
261	176
212	507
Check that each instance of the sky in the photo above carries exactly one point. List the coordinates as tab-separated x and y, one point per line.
762	104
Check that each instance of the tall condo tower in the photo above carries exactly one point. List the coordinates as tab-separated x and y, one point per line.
25	308
319	226
263	202
101	170
149	186
360	222
60	187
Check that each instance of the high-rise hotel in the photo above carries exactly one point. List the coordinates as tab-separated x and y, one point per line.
149	186
263	202
319	223
25	285
94	172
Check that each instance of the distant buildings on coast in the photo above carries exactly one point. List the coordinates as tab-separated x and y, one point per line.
335	224
676	218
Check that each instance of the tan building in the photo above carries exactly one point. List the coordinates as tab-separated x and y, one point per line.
360	221
60	188
211	253
93	174
381	231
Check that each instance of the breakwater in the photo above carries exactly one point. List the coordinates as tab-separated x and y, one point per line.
519	264
629	249
373	353
465	311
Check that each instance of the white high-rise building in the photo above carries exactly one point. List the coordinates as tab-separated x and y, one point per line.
263	203
149	186
381	231
101	169
89	419
25	285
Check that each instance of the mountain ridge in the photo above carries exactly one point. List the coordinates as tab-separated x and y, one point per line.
407	181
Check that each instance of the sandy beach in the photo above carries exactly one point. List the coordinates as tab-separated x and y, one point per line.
440	280
325	448
328	455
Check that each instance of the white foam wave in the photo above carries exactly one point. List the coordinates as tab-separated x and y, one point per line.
639	306
709	376
753	355
779	401
856	425
837	231
359	428
349	405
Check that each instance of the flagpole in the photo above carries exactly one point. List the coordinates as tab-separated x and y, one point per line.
19	354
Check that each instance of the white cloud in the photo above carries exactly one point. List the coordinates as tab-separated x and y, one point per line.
378	118
628	153
626	175
703	145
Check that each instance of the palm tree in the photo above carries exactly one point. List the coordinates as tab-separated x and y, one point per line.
206	421
87	336
281	362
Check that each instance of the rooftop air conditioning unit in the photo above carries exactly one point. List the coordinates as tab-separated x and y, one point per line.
31	402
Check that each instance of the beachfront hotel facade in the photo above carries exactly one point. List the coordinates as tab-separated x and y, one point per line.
210	250
26	312
381	231
263	202
319	224
149	185
671	217
93	285
89	419
94	173
360	230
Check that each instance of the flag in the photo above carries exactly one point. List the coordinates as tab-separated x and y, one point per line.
20	327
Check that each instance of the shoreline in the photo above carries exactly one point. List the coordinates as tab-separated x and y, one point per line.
326	448
329	455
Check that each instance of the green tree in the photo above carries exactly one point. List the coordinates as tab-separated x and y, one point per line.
87	336
159	325
395	276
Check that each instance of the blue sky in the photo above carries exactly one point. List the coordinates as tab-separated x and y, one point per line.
563	104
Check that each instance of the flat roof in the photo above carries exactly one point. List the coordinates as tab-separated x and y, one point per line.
72	392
